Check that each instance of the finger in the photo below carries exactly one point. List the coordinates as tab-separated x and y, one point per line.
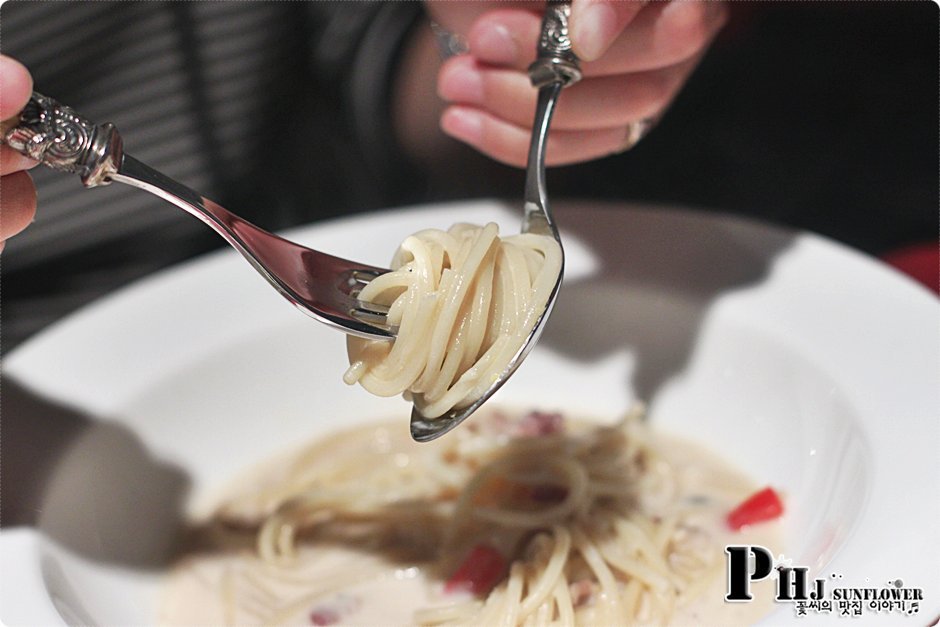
595	24
16	85
17	203
665	33
12	161
457	16
600	102
506	37
662	34
509	143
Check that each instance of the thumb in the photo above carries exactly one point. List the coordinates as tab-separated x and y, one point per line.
595	24
16	85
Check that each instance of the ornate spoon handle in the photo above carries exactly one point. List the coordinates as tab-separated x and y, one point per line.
555	68
555	61
60	138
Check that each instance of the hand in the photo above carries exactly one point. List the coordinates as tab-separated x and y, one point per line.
17	193
635	58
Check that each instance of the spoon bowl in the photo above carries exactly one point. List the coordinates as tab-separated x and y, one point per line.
555	68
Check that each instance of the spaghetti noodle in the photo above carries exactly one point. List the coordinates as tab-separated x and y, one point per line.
515	520
464	300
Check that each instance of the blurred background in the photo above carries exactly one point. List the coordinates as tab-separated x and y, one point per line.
812	115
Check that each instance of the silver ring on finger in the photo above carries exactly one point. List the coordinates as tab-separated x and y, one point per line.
636	131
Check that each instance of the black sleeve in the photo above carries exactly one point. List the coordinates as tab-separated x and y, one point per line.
354	57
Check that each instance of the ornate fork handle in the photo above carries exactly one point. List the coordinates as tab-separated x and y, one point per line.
62	139
320	284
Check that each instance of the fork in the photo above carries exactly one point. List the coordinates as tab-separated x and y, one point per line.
555	68
321	285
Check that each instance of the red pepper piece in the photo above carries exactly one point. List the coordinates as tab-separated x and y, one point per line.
479	572
761	506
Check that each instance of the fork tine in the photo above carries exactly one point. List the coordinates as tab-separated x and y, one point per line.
371	317
355	281
358	278
372	308
362	275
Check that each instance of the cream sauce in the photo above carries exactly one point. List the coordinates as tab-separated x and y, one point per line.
349	583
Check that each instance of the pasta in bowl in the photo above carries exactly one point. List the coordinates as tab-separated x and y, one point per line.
161	395
517	518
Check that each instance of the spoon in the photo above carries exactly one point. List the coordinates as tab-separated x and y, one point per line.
555	67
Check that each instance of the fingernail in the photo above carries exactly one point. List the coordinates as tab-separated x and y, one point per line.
494	43
594	30
463	124
9	64
17	86
11	161
461	83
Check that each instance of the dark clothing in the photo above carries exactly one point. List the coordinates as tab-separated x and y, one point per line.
276	110
813	115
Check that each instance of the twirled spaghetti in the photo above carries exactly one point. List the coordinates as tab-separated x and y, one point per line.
464	300
514	520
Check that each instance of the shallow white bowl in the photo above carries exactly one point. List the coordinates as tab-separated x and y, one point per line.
810	366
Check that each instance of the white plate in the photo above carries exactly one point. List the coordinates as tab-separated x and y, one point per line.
810	366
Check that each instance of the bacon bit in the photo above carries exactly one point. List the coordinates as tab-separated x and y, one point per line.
497	424
324	616
479	572
538	423
333	612
548	493
496	490
499	490
448	493
582	592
